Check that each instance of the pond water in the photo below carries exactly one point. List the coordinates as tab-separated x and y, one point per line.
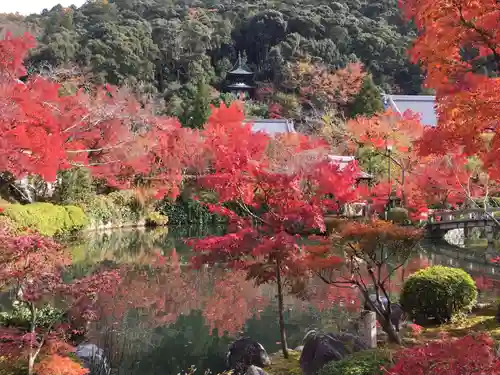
189	318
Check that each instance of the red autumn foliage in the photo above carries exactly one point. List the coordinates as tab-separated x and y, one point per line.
108	130
232	302
466	88
367	248
270	190
32	266
59	365
415	329
318	85
159	292
469	355
394	136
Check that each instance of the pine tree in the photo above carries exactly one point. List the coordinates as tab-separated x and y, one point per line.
368	101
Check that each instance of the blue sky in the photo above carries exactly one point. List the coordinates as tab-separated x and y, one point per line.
33	6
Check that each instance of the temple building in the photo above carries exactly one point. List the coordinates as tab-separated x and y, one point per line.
240	82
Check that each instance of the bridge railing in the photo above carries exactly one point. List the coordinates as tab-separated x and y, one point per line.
458	215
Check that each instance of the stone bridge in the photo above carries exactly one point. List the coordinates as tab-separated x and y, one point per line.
440	222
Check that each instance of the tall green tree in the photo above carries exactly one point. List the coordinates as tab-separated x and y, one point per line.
368	101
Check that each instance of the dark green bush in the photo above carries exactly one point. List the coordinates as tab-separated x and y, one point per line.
185	211
439	293
367	362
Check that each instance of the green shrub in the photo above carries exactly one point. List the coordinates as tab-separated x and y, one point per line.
117	208
46	218
20	316
8	224
73	186
155	219
367	362
438	292
187	211
398	215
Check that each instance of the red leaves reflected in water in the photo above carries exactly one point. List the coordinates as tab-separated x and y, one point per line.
473	354
232	302
325	297
32	265
160	293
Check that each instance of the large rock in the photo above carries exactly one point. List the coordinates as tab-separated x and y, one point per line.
244	353
321	348
397	313
93	359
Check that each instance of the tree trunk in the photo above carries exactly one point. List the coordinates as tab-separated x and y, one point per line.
31	363
284	346
388	328
385	322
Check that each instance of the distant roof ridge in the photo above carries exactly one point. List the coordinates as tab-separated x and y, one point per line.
283	125
424	105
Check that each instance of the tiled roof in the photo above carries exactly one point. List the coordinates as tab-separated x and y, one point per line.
272	126
240	71
422	104
239	85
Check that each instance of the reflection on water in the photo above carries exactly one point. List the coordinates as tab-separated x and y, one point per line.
162	322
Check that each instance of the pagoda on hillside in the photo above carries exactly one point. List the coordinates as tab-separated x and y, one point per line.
240	81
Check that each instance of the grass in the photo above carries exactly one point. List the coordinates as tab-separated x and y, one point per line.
282	366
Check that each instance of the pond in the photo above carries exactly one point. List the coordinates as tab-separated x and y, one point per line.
198	312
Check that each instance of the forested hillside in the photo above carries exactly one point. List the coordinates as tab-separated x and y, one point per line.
179	49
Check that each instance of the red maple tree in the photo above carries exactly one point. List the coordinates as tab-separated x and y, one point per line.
108	130
32	266
270	190
367	250
458	46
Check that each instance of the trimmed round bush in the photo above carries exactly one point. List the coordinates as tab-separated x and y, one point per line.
438	293
367	362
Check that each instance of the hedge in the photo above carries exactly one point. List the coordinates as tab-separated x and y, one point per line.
46	218
439	293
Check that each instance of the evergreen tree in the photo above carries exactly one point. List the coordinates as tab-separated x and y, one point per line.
368	101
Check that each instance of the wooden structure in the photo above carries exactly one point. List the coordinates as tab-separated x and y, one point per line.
240	82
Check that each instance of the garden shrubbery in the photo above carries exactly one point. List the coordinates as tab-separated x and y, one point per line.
185	211
368	362
439	293
117	208
46	218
